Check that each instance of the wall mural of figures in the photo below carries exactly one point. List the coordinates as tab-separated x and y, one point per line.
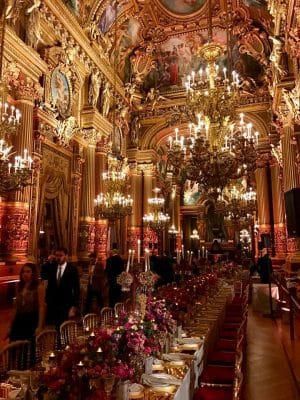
128	38
108	16
169	63
182	7
174	59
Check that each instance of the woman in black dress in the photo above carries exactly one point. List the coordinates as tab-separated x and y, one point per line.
30	306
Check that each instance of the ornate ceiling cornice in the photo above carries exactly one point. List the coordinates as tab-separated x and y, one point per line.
70	25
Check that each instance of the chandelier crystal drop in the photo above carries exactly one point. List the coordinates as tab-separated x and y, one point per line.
114	204
156	219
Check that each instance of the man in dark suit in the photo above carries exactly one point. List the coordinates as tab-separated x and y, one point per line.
63	290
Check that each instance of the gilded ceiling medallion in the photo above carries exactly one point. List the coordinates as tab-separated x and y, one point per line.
182	7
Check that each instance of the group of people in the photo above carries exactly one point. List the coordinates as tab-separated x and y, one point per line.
52	295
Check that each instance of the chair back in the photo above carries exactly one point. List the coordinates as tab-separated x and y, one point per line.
118	308
237	387
68	333
45	343
90	321
107	316
15	355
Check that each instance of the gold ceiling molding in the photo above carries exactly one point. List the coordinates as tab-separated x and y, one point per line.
64	23
28	60
91	118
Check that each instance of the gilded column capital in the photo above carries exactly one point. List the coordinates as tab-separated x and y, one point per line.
91	135
263	160
147	168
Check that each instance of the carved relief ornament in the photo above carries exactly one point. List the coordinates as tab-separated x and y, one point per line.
23	85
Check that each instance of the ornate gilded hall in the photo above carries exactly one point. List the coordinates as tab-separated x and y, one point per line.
150	127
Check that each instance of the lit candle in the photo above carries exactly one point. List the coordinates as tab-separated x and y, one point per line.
80	364
92	335
225	71
128	260
9	168
132	257
139	250
99	350
51	356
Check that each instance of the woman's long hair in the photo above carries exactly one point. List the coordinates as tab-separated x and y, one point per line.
35	278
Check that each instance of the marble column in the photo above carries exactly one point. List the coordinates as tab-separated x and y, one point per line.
150	237
177	218
87	221
280	238
263	200
101	225
15	219
135	220
291	184
75	189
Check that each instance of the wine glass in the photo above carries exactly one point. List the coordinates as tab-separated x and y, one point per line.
109	382
34	382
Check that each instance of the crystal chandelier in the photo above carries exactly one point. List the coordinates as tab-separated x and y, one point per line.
113	204
156	219
241	205
15	170
216	149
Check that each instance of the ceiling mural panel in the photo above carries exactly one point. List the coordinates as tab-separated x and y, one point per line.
182	7
108	16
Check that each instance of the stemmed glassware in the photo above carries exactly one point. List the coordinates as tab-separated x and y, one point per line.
109	382
34	382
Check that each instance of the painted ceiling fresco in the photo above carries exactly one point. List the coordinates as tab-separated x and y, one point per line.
157	39
182	7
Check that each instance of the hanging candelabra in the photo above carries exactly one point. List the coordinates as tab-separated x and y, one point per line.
215	149
15	170
113	204
156	219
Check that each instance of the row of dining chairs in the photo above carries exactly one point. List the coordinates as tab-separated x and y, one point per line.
222	377
17	355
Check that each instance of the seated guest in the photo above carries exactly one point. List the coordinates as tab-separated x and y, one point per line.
216	248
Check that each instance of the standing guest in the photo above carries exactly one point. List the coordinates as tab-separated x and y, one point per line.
47	267
97	286
264	267
30	307
63	290
114	266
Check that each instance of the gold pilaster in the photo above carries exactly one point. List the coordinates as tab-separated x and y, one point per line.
278	212
291	181
263	203
87	220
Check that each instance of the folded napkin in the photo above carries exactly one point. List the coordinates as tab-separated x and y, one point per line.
189	340
177	357
160	380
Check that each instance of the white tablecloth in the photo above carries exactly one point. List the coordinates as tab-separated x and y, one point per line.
190	381
260	297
